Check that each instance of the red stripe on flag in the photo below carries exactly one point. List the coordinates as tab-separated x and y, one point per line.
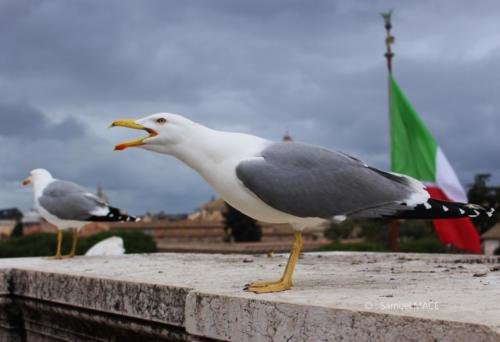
461	233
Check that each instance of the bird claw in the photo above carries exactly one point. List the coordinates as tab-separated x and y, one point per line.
60	257
67	256
267	286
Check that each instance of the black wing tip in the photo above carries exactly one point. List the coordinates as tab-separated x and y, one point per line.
490	212
114	215
438	209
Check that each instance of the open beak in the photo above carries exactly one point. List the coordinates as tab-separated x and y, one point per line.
27	181
132	124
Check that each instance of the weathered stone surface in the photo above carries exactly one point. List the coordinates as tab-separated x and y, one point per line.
4	281
10	327
61	322
159	303
238	319
350	296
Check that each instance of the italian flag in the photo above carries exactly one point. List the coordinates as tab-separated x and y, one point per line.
414	152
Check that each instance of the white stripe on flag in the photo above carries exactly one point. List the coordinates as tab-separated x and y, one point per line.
447	179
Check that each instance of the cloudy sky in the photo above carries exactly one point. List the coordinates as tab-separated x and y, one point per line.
315	68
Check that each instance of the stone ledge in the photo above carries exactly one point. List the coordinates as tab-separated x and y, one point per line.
197	297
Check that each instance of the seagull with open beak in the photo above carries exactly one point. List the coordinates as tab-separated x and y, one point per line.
289	182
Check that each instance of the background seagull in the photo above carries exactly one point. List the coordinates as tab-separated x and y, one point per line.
288	182
68	205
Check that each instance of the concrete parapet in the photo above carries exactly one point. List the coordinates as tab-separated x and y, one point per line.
199	297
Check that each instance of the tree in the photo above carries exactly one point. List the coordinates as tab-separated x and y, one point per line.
487	196
240	226
18	229
376	230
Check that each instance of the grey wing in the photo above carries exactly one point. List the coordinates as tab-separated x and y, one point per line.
69	201
310	181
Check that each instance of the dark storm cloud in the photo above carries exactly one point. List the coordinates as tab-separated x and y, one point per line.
314	68
19	119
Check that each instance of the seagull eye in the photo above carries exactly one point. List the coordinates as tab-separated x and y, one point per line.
161	120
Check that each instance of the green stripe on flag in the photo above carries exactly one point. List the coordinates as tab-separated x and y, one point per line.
413	149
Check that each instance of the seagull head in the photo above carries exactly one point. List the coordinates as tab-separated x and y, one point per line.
37	175
164	130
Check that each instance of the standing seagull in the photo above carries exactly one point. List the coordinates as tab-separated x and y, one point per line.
68	205
288	182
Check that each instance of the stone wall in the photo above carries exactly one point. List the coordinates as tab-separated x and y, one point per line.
196	297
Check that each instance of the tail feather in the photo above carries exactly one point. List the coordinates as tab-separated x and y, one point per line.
438	209
114	215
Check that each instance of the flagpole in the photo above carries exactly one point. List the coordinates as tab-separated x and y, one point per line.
389	40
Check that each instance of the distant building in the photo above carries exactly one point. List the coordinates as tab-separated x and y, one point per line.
162	216
211	211
8	219
6	228
31	217
43	226
169	217
491	240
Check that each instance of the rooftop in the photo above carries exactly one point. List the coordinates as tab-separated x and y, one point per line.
492	234
10	214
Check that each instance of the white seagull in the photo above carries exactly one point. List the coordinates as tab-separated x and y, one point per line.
68	205
288	182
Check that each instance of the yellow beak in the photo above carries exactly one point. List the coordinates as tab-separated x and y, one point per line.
27	181
132	124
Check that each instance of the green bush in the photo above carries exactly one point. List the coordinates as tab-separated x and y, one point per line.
423	245
44	244
378	231
41	244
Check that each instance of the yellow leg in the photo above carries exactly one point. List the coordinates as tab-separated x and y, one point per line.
285	282
59	243
73	244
